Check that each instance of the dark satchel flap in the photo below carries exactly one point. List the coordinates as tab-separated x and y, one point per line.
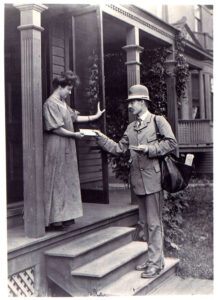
175	175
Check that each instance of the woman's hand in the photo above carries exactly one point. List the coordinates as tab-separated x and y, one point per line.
78	135
67	133
99	111
92	117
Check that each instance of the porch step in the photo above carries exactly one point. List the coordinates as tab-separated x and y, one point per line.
103	263
111	261
132	284
85	249
108	268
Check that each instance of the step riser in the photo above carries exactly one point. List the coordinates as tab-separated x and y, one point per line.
59	268
95	284
89	273
99	251
65	284
165	276
60	278
82	259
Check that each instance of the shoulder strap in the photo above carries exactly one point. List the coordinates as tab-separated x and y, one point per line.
159	136
156	127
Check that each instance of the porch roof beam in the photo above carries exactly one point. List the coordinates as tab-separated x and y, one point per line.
193	62
135	20
196	50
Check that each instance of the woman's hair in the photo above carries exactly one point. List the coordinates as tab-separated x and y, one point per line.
66	78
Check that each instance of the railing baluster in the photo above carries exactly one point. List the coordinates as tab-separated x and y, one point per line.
192	132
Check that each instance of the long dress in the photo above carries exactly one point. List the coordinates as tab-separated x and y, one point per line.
62	194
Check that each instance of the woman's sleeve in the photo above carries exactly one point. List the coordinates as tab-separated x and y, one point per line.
74	113
52	116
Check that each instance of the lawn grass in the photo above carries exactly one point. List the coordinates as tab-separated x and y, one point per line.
196	248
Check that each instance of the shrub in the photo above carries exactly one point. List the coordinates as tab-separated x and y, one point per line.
173	208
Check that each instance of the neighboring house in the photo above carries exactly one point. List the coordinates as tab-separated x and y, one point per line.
195	115
196	112
41	42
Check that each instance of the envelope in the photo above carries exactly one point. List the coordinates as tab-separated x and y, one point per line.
88	132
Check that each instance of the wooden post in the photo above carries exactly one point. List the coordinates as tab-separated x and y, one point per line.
103	105
185	106
30	28
133	64
201	95
172	108
172	105
207	86
189	86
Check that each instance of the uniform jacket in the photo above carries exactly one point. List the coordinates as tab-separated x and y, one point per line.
144	168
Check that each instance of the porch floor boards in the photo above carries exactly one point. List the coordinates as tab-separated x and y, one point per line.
120	203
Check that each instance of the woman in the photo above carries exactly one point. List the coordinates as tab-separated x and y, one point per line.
62	195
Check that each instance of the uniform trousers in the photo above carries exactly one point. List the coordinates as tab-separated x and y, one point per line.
150	217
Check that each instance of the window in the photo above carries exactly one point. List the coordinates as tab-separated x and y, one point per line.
197	15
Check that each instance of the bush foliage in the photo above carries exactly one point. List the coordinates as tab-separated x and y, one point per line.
173	209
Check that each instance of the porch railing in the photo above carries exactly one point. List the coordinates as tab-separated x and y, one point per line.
205	40
193	132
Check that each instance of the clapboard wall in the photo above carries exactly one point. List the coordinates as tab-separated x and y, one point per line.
59	47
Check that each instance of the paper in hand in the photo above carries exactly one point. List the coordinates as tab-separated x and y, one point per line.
132	147
88	132
140	148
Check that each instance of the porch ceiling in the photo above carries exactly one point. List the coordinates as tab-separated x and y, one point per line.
114	30
115	34
147	41
57	9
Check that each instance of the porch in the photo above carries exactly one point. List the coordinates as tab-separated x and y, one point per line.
195	133
94	213
26	255
196	136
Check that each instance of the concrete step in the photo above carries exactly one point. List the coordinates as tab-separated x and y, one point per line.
184	286
132	284
94	276
85	249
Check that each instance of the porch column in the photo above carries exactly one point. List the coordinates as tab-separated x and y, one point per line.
30	28
201	95
172	106
185	106
189	86
207	85
133	64
133	50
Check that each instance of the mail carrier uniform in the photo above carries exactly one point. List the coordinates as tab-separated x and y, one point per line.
146	176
